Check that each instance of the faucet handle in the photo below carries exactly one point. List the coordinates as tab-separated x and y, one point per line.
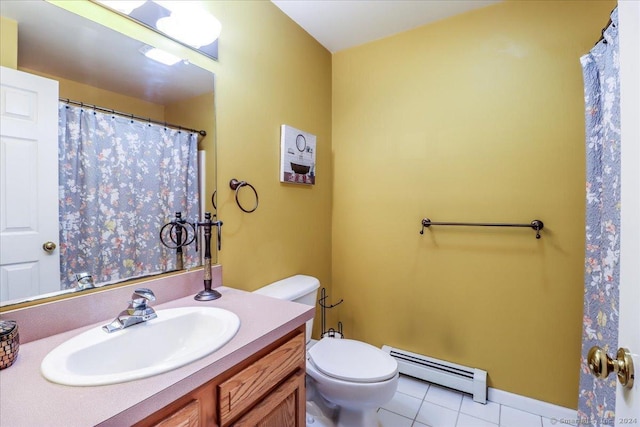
141	296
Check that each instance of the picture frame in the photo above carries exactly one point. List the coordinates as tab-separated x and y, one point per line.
297	156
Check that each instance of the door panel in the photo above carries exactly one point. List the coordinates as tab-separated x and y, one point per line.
28	185
628	400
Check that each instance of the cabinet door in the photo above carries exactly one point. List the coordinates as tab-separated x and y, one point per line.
243	390
283	407
189	416
196	409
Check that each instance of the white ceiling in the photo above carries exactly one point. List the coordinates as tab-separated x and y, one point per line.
341	24
57	42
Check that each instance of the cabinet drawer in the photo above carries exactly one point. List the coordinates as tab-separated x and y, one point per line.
245	388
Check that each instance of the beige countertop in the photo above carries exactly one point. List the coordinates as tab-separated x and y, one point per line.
28	399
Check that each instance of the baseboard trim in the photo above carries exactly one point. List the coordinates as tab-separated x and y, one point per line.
533	406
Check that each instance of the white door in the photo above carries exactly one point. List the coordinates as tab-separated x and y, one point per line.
28	185
628	401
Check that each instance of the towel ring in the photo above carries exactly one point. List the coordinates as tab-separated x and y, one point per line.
237	185
181	233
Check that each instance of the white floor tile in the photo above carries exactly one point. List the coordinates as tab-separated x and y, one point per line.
465	420
403	404
421	404
436	416
389	419
488	412
412	387
555	422
510	417
444	397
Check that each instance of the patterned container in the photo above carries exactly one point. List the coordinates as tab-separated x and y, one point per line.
9	343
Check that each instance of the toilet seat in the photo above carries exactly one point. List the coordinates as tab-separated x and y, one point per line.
352	360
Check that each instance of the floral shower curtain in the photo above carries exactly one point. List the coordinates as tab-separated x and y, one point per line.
120	181
600	322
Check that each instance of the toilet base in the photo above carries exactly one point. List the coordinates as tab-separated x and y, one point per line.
316	418
351	418
345	417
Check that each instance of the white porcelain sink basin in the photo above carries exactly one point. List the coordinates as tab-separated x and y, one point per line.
178	336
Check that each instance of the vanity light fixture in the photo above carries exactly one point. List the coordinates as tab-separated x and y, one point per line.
123	6
159	55
196	28
185	22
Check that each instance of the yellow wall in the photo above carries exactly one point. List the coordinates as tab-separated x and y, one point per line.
8	43
477	118
271	72
195	113
69	89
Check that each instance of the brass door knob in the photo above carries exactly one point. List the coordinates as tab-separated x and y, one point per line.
601	365
49	247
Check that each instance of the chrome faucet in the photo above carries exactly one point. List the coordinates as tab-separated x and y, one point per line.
137	312
85	281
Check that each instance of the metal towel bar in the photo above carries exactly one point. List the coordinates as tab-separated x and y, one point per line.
536	224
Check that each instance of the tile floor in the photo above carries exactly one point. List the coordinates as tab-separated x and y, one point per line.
419	404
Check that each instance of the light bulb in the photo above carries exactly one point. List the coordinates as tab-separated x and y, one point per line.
197	28
159	55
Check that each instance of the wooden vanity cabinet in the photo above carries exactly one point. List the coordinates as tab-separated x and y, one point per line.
189	416
284	407
196	409
266	387
266	390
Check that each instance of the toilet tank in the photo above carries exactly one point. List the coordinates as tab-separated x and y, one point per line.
300	288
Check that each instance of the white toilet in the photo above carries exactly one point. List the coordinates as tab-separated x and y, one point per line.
352	378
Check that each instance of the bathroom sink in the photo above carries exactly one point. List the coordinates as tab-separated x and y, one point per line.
178	336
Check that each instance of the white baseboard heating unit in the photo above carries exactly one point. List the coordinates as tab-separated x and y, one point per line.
457	377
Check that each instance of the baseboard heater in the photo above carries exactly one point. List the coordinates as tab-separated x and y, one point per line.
451	375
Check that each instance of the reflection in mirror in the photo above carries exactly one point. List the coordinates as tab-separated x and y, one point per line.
184	22
127	116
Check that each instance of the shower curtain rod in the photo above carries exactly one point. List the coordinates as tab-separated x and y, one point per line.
602	32
133	116
605	28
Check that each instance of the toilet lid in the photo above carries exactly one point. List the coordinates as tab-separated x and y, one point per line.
352	360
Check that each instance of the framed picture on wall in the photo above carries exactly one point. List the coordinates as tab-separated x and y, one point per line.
297	156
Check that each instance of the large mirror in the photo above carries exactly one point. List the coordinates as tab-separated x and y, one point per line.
101	70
